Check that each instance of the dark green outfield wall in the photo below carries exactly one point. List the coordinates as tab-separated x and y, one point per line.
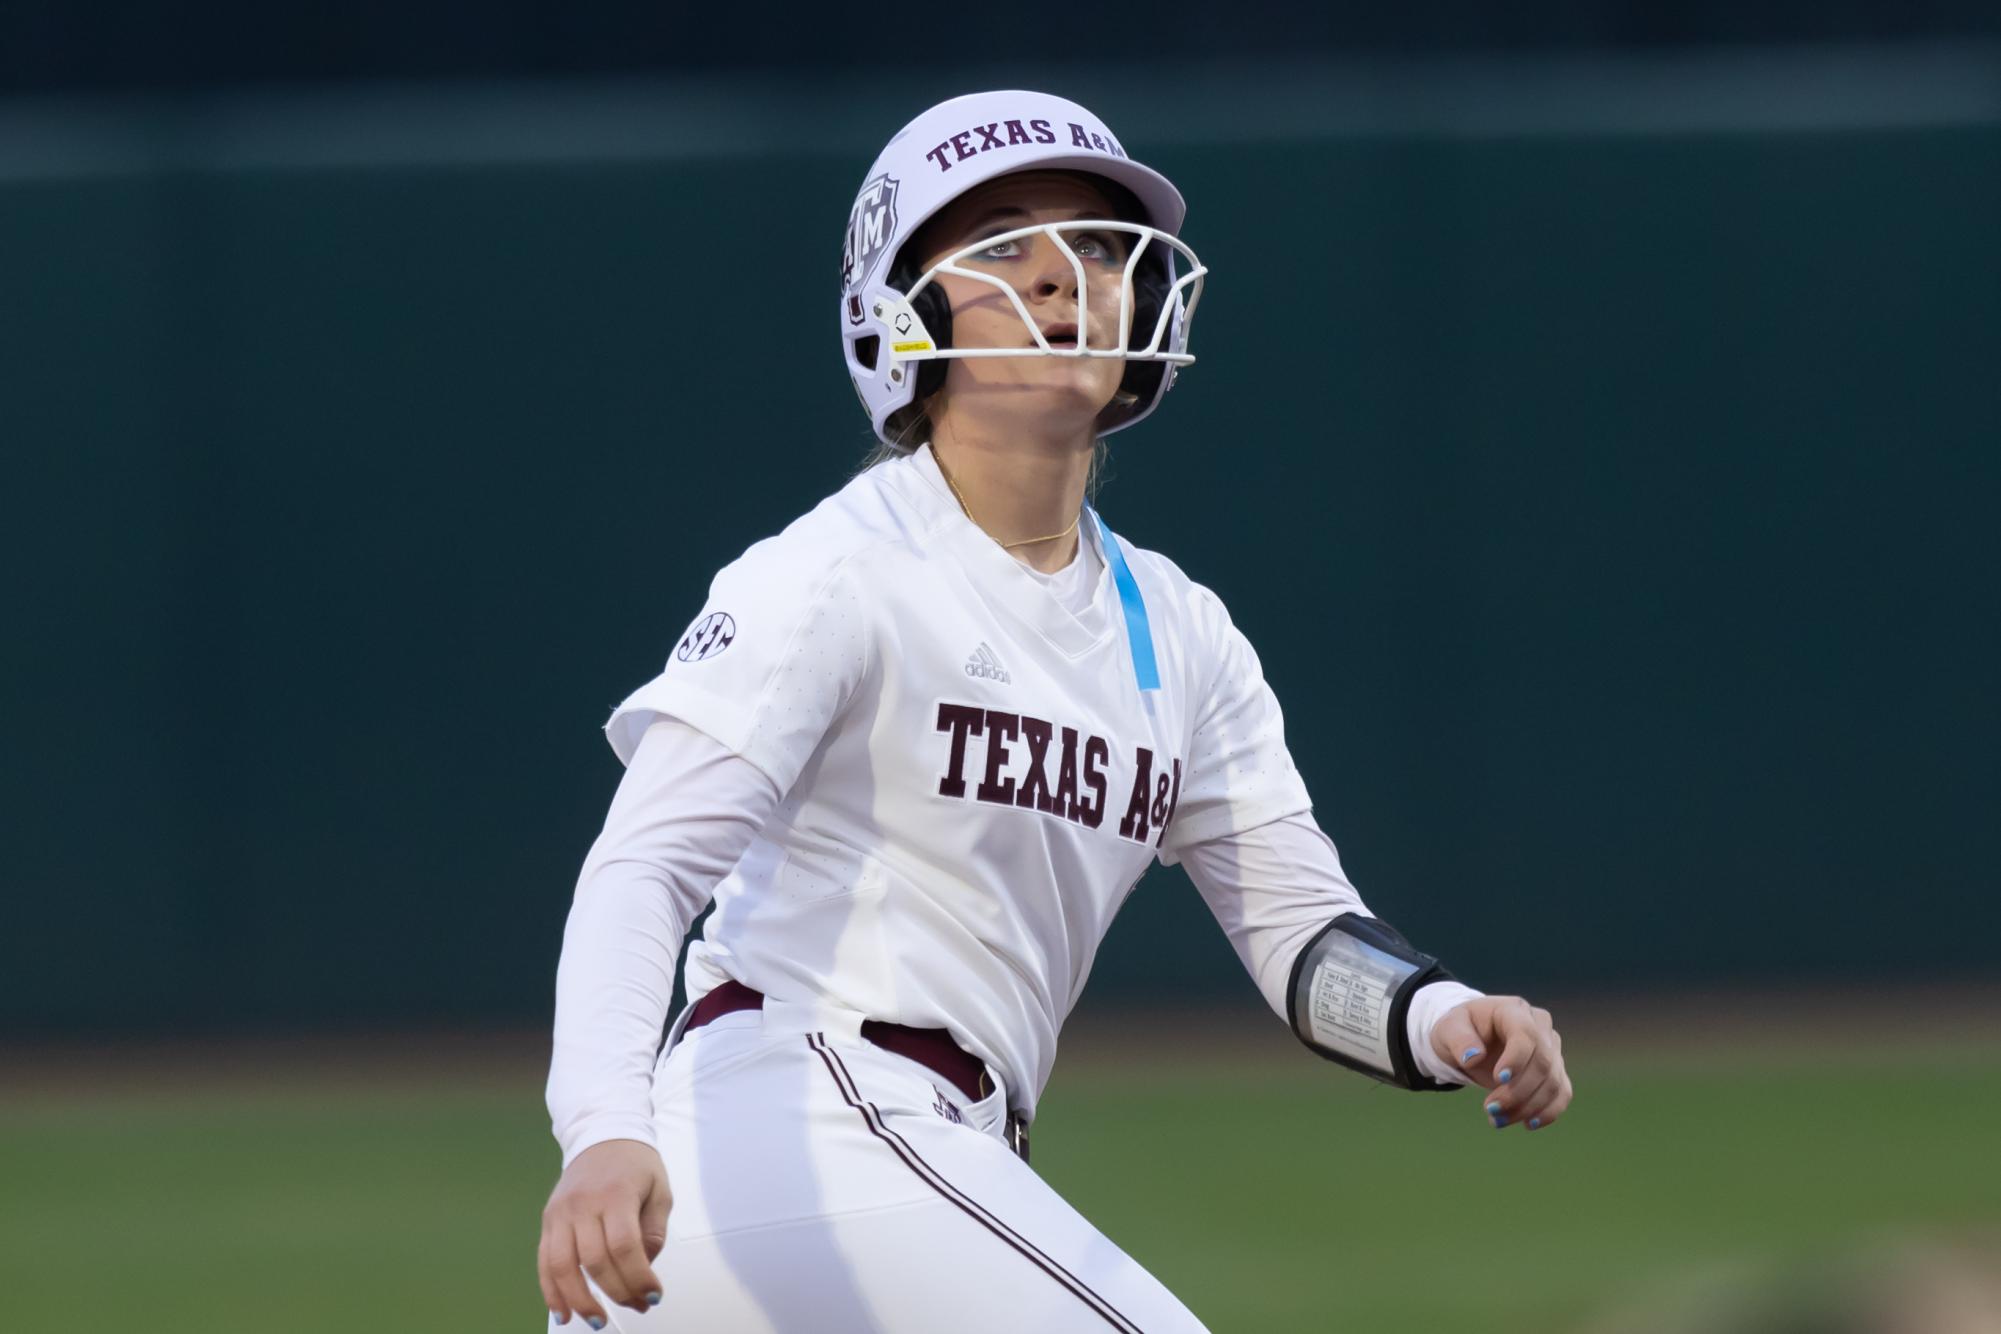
1615	518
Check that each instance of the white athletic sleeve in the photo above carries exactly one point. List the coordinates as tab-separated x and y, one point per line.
1271	888
683	814
779	649
1239	773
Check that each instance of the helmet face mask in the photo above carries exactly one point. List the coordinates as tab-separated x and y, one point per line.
911	340
896	321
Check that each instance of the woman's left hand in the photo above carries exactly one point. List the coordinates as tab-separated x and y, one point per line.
1508	1046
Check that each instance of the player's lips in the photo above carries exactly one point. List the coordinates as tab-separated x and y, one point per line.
1060	335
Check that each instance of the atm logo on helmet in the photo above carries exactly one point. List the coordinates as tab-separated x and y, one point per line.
870	226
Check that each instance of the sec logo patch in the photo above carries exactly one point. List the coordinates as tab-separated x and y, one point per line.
706	637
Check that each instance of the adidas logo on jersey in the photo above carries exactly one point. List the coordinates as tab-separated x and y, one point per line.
983	665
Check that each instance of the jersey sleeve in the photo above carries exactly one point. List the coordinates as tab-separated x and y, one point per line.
682	817
1275	887
779	649
1240	774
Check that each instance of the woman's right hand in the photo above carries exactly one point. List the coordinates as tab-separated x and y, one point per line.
607	1217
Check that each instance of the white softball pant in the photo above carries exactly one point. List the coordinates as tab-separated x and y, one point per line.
823	1185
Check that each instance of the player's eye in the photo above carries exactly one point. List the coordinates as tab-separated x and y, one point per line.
1091	247
1096	246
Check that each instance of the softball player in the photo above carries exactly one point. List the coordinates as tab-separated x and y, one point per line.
918	748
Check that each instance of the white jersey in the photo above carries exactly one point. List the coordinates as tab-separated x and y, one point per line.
973	779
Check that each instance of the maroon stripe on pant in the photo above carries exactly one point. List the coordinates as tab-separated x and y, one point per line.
872	1116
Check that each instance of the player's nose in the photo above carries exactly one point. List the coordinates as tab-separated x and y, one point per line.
1054	275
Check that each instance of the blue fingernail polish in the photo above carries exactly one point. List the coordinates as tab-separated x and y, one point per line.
1472	1054
1506	1075
1535	1123
653	1299
1493	1109
1500	1123
596	1321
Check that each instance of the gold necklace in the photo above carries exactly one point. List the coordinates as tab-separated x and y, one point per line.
1005	546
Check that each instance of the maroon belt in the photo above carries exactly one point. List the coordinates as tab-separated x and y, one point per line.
932	1047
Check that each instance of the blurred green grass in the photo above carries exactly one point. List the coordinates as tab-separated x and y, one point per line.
1268	1194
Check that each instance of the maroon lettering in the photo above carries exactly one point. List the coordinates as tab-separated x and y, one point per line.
1051	778
989	136
1078	136
1015	134
1134	824
1043	134
1066	777
937	155
1173	804
1001	729
1034	791
1096	755
961	720
962	144
1099	144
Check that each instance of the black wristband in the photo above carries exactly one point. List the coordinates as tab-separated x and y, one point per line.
1349	996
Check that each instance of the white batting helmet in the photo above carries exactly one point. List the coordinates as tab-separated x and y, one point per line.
894	320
